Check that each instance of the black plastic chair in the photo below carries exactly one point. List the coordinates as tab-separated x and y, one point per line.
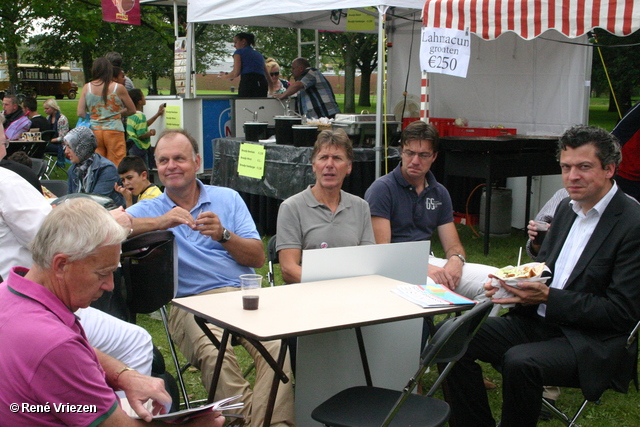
571	421
58	187
53	152
365	406
272	257
38	166
150	272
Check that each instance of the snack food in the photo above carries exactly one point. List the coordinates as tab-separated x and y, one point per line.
523	272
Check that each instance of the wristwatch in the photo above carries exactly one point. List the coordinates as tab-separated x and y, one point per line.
463	259
225	236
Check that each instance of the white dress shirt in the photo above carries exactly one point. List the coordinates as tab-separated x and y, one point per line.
22	210
577	240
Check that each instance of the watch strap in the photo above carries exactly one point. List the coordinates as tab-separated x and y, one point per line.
462	258
225	236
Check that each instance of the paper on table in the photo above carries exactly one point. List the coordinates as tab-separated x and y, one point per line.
427	296
187	414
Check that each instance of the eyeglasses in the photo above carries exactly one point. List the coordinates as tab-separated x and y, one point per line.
411	154
277	73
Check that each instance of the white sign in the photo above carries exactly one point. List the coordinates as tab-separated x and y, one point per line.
445	51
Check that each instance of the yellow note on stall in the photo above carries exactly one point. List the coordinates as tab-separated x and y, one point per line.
172	117
251	160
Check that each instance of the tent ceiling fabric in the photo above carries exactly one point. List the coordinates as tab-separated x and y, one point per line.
489	19
310	14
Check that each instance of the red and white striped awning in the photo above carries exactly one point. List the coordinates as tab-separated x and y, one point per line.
530	18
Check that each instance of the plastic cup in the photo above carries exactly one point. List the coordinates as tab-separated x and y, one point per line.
251	284
541	229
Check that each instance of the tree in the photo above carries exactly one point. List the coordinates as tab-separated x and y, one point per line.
622	62
78	33
75	32
356	50
16	19
280	44
367	61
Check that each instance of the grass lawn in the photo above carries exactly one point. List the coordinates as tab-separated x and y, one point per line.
616	409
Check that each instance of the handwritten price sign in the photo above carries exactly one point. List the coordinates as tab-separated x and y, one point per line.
445	51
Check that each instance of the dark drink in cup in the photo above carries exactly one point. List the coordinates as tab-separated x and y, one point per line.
250	302
250	284
541	229
540	237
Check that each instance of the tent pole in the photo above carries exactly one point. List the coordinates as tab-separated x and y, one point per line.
175	19
317	43
382	10
190	60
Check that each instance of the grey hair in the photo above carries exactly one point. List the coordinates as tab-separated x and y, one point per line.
76	228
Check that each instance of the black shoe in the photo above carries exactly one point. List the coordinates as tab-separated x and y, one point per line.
545	414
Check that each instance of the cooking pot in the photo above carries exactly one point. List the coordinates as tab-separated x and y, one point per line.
255	131
284	131
304	135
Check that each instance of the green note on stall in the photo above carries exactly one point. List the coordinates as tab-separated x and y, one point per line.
251	160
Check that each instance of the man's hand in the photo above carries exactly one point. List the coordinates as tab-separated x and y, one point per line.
531	230
454	268
441	276
121	217
449	275
489	290
176	216
214	419
139	389
208	224
527	293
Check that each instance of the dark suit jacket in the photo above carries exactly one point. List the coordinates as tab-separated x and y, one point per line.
600	303
24	171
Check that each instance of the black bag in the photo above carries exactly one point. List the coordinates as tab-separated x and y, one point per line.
148	271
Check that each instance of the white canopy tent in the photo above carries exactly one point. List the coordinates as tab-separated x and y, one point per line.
537	85
326	15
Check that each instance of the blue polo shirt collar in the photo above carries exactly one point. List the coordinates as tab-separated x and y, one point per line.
203	199
397	175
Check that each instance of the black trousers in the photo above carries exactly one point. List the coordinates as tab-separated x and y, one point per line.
529	352
253	85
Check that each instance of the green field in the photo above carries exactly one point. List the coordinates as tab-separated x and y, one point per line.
615	409
598	114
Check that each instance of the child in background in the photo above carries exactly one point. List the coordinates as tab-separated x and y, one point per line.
135	181
138	126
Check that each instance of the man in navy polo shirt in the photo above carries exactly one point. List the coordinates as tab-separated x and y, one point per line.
409	205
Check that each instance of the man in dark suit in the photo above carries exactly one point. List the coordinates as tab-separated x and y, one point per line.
571	331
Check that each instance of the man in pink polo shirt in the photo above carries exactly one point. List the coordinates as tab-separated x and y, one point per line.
51	374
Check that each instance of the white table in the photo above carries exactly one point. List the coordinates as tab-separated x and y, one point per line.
305	309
